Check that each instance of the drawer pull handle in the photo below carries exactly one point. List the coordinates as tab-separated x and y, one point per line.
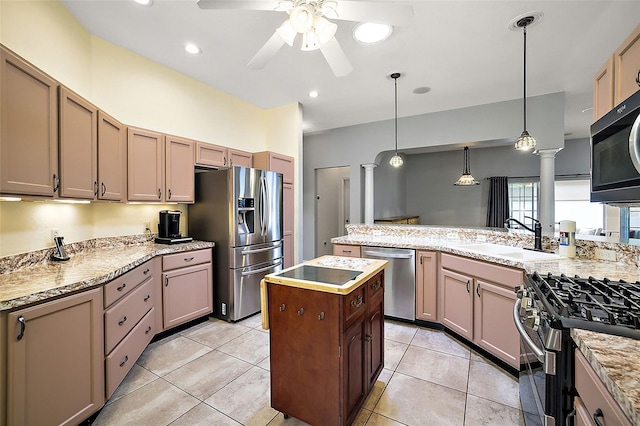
346	251
358	302
124	361
282	307
23	326
146	271
122	321
188	259
147	330
376	285
596	414
321	316
147	297
120	288
300	312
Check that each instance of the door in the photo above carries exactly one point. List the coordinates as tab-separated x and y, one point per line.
457	302
426	286
187	294
145	160
179	170
332	196
112	158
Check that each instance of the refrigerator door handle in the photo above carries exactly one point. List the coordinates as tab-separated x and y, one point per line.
266	268
263	206
260	250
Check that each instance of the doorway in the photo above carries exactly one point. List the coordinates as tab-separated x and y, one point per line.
332	206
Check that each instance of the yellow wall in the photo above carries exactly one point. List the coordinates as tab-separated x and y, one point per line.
137	92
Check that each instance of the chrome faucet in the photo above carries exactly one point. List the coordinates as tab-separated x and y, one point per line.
537	231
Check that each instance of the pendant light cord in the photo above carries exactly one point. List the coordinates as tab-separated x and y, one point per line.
395	81
524	29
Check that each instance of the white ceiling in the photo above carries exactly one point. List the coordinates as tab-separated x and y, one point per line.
463	50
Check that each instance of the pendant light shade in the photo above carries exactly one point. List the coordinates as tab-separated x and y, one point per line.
466	179
396	160
525	142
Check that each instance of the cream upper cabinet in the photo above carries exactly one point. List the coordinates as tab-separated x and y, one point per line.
112	158
145	164
28	129
240	158
209	155
627	67
78	146
179	170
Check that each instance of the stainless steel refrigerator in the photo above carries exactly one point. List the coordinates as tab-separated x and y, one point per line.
240	209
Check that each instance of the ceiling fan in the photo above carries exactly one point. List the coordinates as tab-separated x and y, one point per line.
309	18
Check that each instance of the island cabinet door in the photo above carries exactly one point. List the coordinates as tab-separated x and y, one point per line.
353	370
305	353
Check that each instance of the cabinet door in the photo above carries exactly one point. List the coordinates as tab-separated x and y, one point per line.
78	146
627	67
426	286
56	368
240	158
456	302
354	373
346	250
375	340
287	224
179	170
187	294
112	158
288	251
305	353
28	129
603	90
209	155
494	329
145	161
273	161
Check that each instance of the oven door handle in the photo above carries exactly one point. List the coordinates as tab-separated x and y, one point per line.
539	353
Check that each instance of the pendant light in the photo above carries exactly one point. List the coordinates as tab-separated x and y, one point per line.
466	179
396	160
525	142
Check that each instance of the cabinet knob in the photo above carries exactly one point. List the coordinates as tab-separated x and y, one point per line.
147	297
169	193
300	312
95	188
478	289
122	321
104	189
468	284
368	338
282	307
376	285
145	272
56	183
321	316
597	415
147	330
159	193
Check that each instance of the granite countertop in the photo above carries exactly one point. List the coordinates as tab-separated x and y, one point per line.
88	267
614	359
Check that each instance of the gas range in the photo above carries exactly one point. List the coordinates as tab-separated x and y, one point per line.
602	305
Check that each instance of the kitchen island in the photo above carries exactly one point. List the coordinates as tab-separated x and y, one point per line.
326	338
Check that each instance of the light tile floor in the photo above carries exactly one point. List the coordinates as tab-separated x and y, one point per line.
217	373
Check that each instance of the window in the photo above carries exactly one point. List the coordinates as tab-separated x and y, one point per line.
523	201
634	222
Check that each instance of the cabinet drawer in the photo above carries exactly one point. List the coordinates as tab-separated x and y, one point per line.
122	285
375	288
120	318
595	395
508	277
354	305
120	361
187	258
346	250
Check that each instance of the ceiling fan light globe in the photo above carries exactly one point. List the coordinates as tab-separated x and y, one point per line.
325	30
302	17
287	33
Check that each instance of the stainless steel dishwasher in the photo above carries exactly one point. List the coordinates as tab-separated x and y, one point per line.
399	280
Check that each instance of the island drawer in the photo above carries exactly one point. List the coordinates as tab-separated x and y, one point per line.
187	258
120	361
375	287
595	395
123	316
354	304
122	285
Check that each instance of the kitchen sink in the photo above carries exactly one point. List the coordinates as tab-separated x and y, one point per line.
509	252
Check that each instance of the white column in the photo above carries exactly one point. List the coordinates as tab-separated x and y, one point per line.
368	193
547	190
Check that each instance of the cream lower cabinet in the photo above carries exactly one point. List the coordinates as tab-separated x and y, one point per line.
187	286
426	285
475	300
55	372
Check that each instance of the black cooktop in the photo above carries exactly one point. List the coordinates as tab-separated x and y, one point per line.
601	305
321	275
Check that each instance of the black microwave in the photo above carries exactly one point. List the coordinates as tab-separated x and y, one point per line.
615	154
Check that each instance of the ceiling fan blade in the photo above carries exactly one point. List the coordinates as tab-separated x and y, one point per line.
267	52
375	12
336	58
239	4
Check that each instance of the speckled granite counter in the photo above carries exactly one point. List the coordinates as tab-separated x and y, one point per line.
31	278
615	359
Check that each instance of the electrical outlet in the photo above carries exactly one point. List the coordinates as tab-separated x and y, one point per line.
55	232
603	254
147	226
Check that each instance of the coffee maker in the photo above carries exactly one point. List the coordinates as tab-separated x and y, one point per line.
169	228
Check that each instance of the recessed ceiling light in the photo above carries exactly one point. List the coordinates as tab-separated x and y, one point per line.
144	2
313	94
421	90
370	33
192	48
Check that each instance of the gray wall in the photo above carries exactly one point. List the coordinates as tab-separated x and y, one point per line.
356	145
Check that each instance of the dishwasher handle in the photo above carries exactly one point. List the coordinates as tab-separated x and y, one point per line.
383	255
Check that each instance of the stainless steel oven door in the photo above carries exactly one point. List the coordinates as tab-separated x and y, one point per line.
538	366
